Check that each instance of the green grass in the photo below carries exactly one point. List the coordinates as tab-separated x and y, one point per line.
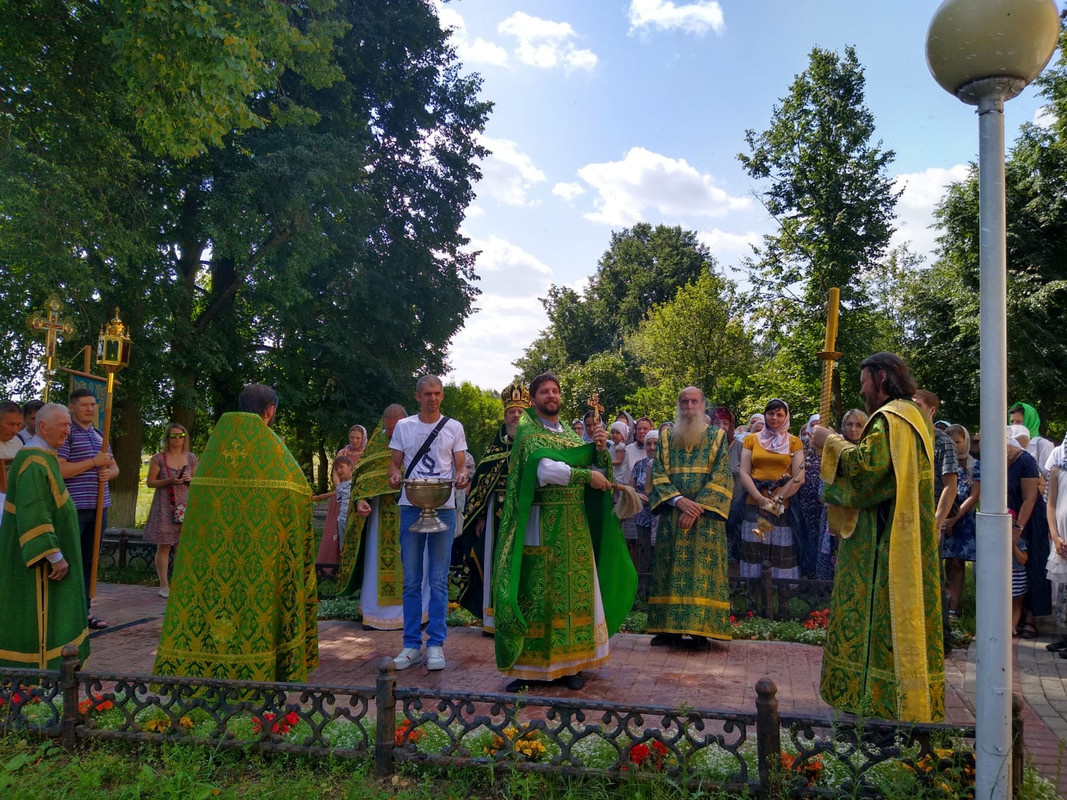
34	770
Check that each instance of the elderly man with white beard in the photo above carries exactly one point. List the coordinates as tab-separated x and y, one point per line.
691	490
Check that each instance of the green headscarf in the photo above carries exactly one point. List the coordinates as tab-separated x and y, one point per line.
1031	420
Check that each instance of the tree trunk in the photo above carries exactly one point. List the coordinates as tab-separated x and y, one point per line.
126	445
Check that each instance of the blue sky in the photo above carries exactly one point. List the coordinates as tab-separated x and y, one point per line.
611	112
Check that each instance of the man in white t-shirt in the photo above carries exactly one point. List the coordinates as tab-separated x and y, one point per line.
444	458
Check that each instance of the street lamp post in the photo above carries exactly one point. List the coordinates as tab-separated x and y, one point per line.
985	52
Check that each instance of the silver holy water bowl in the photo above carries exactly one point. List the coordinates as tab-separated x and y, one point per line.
428	494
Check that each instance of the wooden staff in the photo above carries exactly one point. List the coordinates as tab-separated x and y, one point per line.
829	356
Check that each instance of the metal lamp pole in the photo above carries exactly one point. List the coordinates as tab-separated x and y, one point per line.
985	52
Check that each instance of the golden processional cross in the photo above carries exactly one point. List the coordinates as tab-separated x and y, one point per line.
52	324
594	403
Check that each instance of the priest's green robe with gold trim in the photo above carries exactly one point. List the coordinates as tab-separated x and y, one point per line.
243	601
690	580
884	655
41	616
557	546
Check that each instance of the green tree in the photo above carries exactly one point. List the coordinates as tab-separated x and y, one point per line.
641	267
479	410
828	189
320	253
699	338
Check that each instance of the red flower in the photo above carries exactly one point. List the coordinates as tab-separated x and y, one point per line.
639	753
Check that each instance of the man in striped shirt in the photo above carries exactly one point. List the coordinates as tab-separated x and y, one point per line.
83	466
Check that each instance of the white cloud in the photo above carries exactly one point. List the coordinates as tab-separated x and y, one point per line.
507	173
545	44
646	180
915	208
473	212
568	191
1045	117
728	248
509	314
696	18
470	51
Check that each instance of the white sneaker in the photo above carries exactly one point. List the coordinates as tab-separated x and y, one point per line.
407	657
435	658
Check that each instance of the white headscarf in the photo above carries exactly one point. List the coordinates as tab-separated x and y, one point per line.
622	428
1011	434
775	441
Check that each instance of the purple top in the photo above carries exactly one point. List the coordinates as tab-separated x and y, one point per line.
81	445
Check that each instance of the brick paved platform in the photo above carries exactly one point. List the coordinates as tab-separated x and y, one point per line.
722	678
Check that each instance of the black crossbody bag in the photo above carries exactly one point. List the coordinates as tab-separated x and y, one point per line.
425	446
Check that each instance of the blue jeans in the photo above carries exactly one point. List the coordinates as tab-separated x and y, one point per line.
414	547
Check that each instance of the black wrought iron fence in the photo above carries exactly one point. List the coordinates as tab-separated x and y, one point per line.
762	752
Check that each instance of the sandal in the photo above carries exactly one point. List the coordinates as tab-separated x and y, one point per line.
96	624
1027	631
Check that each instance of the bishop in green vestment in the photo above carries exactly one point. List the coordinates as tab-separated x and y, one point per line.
243	602
563	581
691	491
884	655
42	592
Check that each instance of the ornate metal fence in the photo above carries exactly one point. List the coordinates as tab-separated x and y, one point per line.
763	752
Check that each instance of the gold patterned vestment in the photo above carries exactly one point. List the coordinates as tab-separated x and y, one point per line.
243	602
473	550
884	655
690	582
551	620
370	482
41	615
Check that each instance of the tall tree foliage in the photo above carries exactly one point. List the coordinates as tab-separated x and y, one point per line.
586	335
698	338
828	189
316	248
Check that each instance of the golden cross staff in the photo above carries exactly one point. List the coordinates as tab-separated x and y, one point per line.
829	355
628	503
594	403
52	325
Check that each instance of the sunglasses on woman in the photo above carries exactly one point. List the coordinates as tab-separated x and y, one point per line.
176	435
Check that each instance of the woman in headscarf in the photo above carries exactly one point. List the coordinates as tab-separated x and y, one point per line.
772	464
1039	447
357	442
1028	507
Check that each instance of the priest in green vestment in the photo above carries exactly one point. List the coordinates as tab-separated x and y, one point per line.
42	592
691	491
473	550
563	581
884	655
370	560
243	602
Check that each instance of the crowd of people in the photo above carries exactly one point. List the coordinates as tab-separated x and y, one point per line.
885	509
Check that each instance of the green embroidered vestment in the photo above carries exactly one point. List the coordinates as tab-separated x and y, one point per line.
544	595
41	616
369	481
690	581
876	491
243	603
